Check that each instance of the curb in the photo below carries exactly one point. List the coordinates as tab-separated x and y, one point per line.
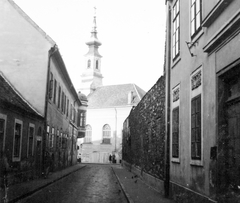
43	186
129	199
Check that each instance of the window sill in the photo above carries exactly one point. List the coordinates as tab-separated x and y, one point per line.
196	162
106	143
175	62
175	160
194	40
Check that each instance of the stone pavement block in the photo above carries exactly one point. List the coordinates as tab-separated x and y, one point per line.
136	190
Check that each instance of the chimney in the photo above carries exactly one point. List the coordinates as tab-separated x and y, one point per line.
130	97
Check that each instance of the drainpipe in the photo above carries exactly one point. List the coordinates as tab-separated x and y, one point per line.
50	53
168	77
115	129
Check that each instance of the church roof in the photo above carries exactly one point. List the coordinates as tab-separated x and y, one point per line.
115	96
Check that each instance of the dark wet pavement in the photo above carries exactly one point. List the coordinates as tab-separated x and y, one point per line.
93	183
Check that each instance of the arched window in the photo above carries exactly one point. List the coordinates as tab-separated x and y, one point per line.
106	134
88	136
96	64
89	63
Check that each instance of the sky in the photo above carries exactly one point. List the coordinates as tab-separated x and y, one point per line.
132	33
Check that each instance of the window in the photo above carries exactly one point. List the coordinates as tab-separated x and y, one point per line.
51	86
196	114
176	30
48	138
96	64
82	118
57	139
196	16
106	134
51	138
2	131
60	141
196	127
55	92
71	112
17	139
89	63
65	102
59	96
175	133
67	106
31	130
62	103
88	136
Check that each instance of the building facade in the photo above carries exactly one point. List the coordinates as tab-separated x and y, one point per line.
202	73
32	63
108	106
21	134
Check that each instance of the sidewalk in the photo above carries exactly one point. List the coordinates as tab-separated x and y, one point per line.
135	190
22	190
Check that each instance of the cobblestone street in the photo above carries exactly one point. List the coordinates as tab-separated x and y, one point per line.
94	183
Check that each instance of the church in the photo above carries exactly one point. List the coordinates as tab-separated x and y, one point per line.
108	107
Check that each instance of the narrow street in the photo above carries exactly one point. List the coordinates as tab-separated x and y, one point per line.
94	183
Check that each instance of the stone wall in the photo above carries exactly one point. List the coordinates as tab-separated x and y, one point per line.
144	133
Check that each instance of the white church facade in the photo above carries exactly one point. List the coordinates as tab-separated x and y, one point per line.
108	107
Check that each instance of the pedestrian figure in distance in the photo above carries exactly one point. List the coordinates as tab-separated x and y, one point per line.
113	158
3	177
110	158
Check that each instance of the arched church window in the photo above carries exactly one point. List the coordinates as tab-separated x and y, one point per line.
88	136
89	63
97	64
106	134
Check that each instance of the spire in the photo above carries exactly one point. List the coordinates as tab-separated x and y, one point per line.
94	28
94	40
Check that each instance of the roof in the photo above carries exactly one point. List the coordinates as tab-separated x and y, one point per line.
10	96
115	96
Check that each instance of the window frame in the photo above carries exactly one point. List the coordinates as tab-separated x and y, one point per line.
50	91
4	117
106	134
88	136
55	91
194	20
196	81
30	151
17	157
196	127
176	30
175	105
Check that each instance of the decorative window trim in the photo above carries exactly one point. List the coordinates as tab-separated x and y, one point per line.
175	105
18	158
31	125
4	117
196	81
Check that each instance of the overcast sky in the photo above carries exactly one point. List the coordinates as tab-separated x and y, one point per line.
132	33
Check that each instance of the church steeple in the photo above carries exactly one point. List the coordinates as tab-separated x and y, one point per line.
92	77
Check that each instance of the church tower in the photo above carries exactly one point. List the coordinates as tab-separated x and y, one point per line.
91	77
